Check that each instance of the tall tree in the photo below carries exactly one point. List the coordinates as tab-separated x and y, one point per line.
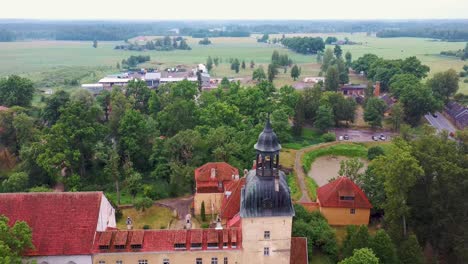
259	74
400	170
209	63
327	59
272	71
332	80
397	116
15	90
349	59
243	65
295	72
324	118
374	111
410	251
417	102
383	247
338	51
444	84
51	111
95	44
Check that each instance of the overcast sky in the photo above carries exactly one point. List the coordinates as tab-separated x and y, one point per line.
233	9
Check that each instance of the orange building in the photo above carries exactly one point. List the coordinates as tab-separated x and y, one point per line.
342	202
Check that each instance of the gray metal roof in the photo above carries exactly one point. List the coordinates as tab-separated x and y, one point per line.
260	199
267	141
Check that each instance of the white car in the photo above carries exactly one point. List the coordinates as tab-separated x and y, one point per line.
341	138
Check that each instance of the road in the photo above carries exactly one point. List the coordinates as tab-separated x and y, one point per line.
440	122
362	135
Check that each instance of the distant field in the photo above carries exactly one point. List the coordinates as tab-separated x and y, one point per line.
42	60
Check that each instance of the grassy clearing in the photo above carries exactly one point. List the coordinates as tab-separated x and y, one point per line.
309	137
287	158
293	183
346	149
311	188
31	58
125	198
155	217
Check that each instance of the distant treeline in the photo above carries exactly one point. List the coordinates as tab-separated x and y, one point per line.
214	34
7	36
160	44
304	45
442	34
118	30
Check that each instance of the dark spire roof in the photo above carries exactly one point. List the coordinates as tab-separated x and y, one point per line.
267	141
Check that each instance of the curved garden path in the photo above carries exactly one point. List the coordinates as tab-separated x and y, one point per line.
300	171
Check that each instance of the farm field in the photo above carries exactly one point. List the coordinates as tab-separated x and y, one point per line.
43	60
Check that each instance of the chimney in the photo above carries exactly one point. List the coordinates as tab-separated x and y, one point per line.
213	173
377	89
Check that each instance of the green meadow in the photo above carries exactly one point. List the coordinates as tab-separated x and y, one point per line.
50	62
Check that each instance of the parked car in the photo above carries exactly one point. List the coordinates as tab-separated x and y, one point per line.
375	138
382	137
346	137
435	115
340	138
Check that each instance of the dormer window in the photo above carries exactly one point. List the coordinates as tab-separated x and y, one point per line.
179	246
347	198
136	246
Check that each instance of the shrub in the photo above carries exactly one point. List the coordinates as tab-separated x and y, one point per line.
361	256
374	152
328	137
141	204
205	225
146	227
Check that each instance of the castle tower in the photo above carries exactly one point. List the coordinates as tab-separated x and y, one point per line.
266	208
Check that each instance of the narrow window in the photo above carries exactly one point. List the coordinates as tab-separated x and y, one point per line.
233	245
198	261
214	260
142	261
266	235
102	262
225	260
352	211
166	261
266	251
119	262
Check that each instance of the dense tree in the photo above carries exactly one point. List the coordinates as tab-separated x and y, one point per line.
374	111
16	182
332	80
357	238
54	103
364	63
272	71
410	251
235	65
259	74
209	63
204	41
361	256
141	204
139	92
177	116
295	72
343	109
338	51
324	118
397	116
383	247
243	65
400	170
304	45
402	82
374	152
417	102
15	90
444	84
330	40
349	59
351	169
413	65
327	60
119	104
264	38
15	240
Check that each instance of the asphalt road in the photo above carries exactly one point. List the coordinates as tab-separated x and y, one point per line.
440	122
362	135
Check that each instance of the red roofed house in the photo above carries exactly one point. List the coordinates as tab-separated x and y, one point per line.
64	225
342	202
212	180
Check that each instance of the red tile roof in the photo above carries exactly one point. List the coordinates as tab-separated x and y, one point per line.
329	194
231	205
223	173
235	221
299	250
165	240
61	223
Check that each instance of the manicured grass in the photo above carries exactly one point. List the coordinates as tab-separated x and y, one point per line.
311	188
309	137
155	217
293	183
346	149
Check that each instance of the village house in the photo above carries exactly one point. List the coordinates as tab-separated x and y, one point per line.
64	225
343	203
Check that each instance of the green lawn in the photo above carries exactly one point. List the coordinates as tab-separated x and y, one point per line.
311	188
293	183
155	217
345	149
46	61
